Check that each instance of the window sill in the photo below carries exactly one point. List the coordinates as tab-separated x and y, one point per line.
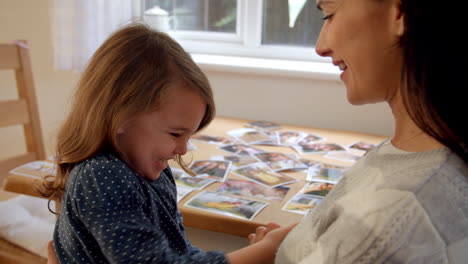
274	67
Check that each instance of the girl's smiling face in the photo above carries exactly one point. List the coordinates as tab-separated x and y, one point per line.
147	141
361	36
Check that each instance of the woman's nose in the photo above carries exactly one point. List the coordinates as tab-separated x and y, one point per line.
321	46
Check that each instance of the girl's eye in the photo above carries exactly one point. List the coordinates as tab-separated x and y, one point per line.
175	135
327	17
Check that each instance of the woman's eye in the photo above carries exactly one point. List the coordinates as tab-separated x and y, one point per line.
327	17
175	135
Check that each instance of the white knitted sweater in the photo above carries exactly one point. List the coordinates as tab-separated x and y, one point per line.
391	207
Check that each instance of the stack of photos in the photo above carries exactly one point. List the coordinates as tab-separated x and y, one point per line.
252	189
262	174
241	149
317	188
255	137
325	172
237	161
35	169
213	139
184	180
215	169
302	203
289	138
279	161
242	208
262	125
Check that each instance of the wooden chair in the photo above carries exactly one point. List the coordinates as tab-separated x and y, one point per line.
24	112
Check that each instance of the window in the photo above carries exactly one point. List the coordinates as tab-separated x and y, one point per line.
284	29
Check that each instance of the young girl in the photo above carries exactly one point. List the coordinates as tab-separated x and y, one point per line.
138	102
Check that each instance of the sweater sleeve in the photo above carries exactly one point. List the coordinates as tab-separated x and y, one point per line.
387	226
111	211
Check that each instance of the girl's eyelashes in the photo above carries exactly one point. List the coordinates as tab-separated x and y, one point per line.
175	135
327	17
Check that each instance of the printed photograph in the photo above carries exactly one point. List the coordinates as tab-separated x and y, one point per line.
250	135
317	148
237	161
309	162
279	161
302	204
263	125
182	192
226	205
35	169
330	175
343	156
317	188
288	138
241	149
213	139
184	180
361	145
215	169
262	174
252	189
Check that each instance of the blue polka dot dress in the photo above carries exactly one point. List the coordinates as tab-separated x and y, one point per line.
110	214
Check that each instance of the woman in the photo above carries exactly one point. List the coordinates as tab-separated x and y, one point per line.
406	200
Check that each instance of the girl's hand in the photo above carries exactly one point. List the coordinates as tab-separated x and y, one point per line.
261	231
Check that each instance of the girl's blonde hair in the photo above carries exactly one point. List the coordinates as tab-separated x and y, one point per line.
129	74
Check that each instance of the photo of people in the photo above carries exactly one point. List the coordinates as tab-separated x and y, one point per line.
241	149
226	205
184	180
287	138
213	139
252	189
317	148
261	173
361	145
317	188
182	192
279	161
215	169
302	204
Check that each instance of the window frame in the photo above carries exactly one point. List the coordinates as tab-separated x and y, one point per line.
246	42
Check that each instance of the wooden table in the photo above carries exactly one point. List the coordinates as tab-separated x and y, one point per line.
271	213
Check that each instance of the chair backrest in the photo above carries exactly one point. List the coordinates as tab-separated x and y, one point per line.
24	110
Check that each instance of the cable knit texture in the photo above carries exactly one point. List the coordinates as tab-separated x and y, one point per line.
393	206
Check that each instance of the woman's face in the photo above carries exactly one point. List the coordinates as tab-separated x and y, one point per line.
361	36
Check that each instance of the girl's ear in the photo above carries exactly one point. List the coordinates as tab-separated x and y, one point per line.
120	130
398	18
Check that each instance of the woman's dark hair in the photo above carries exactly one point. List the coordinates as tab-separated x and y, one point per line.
434	79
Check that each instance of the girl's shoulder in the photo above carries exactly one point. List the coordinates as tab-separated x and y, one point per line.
105	178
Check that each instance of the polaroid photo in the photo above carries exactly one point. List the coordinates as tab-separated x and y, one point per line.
241	149
237	161
279	161
343	156
317	148
272	141
288	137
214	169
310	139
252	189
302	204
317	189
361	146
182	179
309	162
263	125
320	174
36	169
252	136
213	139
182	192
213	202
262	174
